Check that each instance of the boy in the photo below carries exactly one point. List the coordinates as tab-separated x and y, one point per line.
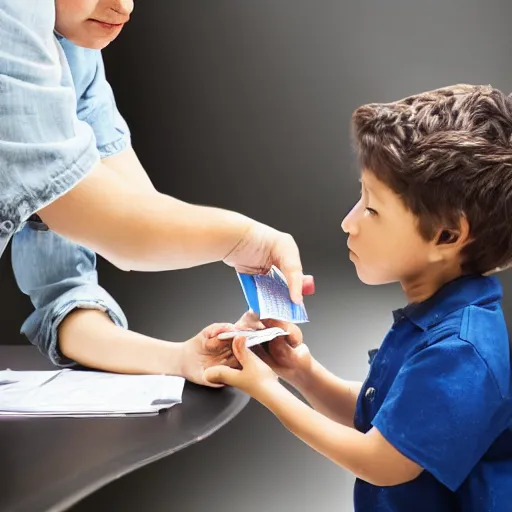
430	428
66	154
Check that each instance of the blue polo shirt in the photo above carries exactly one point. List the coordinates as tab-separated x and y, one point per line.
439	390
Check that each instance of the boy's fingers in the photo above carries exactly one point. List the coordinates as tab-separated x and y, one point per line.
277	348
294	339
221	375
240	349
260	352
211	384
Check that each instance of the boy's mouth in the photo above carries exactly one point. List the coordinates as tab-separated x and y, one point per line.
351	253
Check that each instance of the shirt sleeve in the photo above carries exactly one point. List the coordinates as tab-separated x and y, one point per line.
44	148
96	104
59	276
444	410
110	128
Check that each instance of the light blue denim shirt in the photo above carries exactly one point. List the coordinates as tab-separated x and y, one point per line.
58	117
44	148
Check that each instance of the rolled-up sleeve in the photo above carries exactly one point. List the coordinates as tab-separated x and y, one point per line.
58	276
45	149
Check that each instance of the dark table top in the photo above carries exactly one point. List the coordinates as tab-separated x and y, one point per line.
49	464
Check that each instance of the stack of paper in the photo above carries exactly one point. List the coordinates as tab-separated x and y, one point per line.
86	393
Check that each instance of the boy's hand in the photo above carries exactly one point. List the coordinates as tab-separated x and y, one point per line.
288	356
205	350
255	378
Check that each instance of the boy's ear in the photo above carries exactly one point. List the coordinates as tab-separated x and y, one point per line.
458	235
447	236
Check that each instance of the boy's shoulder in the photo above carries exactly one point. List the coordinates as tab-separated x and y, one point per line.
467	306
474	316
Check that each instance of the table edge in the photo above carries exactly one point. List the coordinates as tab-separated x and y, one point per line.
75	497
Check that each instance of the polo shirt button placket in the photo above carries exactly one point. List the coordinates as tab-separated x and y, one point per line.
370	394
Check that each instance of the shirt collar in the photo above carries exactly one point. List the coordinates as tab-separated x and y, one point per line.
455	295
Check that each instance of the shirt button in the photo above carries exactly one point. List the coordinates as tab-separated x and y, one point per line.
6	227
370	393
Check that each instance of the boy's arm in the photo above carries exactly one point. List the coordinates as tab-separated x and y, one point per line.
292	361
329	395
368	456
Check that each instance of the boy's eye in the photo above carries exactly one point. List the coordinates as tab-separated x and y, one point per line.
370	211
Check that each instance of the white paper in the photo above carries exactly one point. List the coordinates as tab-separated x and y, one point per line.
255	337
86	393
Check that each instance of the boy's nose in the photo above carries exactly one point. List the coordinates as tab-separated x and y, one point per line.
349	224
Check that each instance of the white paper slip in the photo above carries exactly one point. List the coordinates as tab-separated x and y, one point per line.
255	337
86	393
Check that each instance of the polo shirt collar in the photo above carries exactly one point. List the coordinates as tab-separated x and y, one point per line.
457	294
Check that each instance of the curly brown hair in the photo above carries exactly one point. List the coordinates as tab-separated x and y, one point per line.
447	153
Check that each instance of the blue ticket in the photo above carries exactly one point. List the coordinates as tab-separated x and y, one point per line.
269	296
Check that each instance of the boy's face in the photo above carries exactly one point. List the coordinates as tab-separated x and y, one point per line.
91	23
384	241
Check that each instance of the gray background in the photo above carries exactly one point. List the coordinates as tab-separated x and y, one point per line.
246	105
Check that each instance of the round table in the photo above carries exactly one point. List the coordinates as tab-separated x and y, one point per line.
50	464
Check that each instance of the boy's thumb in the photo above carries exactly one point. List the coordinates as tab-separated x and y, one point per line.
240	349
220	375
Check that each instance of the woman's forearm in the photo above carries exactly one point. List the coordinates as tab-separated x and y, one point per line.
143	230
91	339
